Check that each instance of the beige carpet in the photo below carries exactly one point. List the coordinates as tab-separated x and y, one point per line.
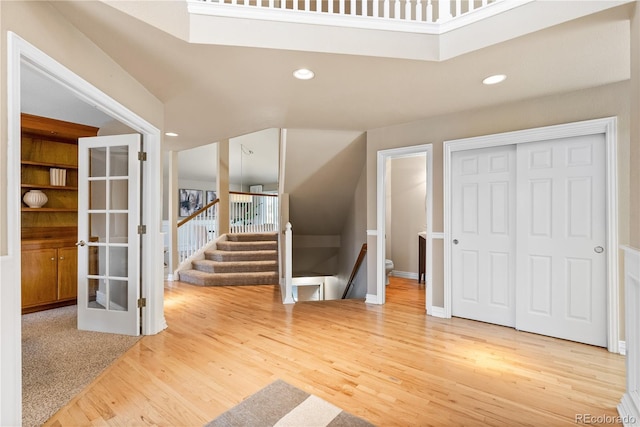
282	405
58	360
242	259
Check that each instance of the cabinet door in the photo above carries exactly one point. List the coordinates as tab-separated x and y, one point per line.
39	276
67	273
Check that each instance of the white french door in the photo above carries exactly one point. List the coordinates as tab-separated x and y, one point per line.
561	239
483	227
529	232
108	239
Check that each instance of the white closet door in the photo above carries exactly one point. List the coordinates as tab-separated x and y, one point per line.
483	232
561	289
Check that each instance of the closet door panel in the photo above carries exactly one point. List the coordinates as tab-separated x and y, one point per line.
561	286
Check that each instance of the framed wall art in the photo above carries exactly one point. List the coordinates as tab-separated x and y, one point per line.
211	196
190	201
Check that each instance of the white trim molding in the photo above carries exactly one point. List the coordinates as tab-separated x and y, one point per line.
10	350
606	126
629	406
382	157
437	312
404	274
371	299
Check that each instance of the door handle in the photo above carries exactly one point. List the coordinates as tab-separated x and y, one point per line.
81	243
455	241
598	249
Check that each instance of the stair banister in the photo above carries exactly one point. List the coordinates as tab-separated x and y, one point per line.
253	212
197	230
356	267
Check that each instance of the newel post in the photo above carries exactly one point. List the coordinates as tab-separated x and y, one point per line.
288	265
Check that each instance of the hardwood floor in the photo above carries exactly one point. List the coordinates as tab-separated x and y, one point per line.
391	364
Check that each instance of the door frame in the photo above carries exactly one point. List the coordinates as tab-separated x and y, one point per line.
19	52
606	126
22	52
382	157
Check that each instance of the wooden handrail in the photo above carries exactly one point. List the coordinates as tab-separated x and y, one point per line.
195	214
356	267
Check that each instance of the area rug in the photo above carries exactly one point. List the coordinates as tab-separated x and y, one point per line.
283	405
58	360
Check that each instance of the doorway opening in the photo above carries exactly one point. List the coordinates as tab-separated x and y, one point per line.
420	154
23	53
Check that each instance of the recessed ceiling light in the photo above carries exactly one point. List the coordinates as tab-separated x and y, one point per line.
303	74
495	79
171	134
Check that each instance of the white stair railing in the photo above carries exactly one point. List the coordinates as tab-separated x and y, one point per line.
421	11
253	212
197	230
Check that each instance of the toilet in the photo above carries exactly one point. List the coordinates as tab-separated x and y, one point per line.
388	267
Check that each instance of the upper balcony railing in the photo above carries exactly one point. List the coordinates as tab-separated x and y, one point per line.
423	16
253	212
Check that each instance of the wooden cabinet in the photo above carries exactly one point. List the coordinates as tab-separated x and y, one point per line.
49	255
39	277
49	274
67	273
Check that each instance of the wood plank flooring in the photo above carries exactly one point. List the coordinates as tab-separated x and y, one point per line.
391	364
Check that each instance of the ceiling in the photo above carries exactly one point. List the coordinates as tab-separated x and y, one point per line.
213	92
41	96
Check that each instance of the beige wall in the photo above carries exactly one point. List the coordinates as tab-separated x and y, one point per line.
36	22
604	101
354	235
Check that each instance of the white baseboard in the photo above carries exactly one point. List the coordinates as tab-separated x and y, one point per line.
622	348
437	312
404	274
628	412
286	299
371	299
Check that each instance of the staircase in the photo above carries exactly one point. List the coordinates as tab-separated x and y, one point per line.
243	259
